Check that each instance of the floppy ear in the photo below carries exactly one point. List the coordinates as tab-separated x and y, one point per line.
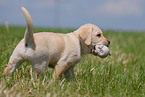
85	35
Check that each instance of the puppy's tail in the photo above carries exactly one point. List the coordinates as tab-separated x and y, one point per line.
28	38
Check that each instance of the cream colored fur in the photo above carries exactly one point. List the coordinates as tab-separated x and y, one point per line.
61	51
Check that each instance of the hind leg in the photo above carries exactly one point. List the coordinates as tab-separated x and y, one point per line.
39	68
14	62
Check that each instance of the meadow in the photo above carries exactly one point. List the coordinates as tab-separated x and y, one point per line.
121	74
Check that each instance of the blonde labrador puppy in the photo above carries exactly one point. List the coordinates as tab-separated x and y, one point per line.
60	51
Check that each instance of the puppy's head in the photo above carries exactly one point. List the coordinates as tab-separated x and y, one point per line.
91	35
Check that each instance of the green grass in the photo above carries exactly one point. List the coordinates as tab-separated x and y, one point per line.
121	74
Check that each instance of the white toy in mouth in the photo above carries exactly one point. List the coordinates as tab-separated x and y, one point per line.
101	50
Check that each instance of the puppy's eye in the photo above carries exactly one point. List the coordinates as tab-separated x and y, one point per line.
98	35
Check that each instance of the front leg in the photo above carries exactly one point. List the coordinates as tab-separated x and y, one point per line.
59	70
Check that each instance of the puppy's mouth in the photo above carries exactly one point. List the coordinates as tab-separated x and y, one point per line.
93	50
94	47
106	44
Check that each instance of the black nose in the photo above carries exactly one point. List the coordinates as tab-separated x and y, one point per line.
108	42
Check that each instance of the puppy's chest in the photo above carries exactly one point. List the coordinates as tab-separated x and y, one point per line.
73	49
72	55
